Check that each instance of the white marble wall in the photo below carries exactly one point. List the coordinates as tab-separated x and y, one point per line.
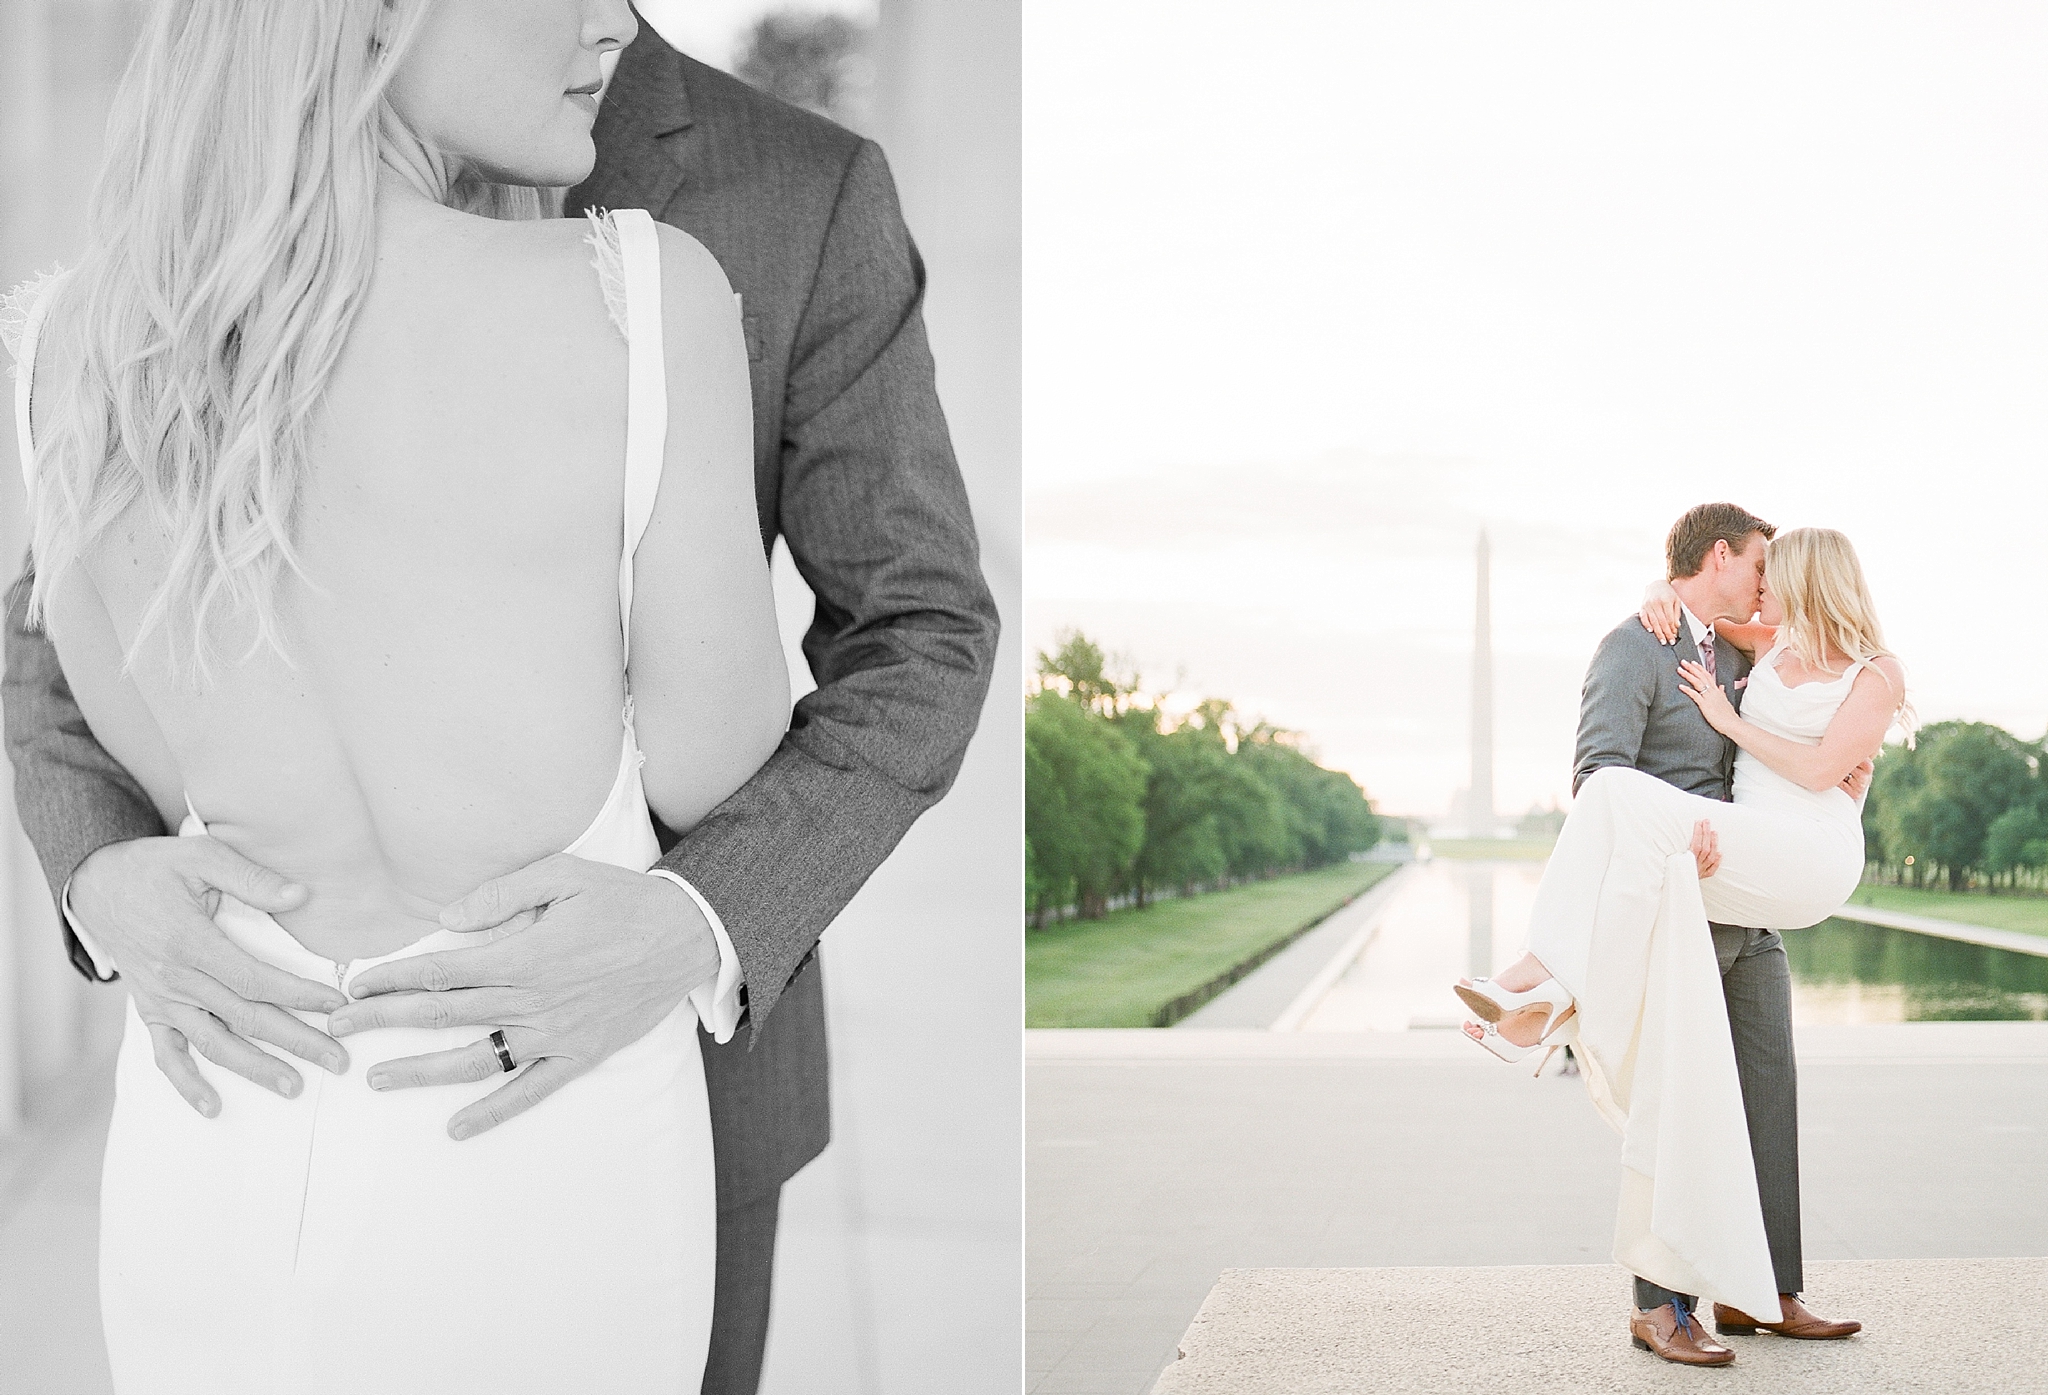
59	60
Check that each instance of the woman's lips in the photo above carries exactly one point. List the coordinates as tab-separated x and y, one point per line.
586	100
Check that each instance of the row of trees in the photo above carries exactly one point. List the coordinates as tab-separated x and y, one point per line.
1967	805
1120	801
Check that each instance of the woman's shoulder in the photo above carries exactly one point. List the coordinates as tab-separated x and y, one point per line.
556	251
1882	678
693	283
570	255
1889	669
699	310
457	274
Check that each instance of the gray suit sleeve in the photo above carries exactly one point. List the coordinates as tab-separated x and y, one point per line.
1614	707
875	513
72	796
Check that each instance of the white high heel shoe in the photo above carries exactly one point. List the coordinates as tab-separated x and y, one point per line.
1564	1034
1490	1002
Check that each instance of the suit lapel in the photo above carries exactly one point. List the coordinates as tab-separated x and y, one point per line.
639	131
1686	647
1724	660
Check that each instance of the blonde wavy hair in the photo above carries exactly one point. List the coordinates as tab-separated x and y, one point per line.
1815	574
230	241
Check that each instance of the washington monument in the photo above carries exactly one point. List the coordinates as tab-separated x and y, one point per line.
1480	818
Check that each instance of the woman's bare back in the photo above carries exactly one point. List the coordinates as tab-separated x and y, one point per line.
451	708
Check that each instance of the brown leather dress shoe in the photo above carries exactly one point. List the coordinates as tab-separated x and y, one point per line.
1795	1321
1660	1330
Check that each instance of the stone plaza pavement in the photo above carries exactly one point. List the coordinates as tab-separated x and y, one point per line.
1335	1331
1158	1160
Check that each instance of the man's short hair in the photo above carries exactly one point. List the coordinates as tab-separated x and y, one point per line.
1703	525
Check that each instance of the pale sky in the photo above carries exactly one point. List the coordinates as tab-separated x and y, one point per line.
1317	290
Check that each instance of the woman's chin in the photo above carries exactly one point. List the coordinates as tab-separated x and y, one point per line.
563	168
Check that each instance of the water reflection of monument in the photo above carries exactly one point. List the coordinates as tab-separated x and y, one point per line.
1448	917
1478	919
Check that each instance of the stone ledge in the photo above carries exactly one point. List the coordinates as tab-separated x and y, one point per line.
1895	1043
1951	1326
2015	941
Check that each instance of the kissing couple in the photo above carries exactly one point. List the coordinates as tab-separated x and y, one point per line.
1726	739
397	685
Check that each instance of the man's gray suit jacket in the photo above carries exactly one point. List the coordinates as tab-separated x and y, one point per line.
852	465
1633	712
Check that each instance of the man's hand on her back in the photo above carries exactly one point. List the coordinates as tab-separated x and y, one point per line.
148	905
577	960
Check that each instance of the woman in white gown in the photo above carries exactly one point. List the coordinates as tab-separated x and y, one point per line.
360	524
1620	960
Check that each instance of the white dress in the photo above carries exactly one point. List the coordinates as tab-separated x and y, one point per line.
1621	920
341	1241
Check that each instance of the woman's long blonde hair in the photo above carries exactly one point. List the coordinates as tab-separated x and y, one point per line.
231	238
1815	574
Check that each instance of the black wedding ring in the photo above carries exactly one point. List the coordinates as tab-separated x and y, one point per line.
498	1045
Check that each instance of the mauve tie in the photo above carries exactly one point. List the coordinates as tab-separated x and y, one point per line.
1707	652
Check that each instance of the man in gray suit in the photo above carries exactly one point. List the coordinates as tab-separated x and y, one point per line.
854	468
1634	713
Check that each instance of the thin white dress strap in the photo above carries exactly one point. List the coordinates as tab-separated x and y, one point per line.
31	302
646	391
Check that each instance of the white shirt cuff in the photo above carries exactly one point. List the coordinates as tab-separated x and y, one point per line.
718	1002
102	965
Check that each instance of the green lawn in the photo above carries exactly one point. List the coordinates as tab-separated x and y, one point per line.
2008	911
1120	970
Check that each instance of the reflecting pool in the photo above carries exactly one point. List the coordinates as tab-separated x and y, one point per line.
1845	971
1451	918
